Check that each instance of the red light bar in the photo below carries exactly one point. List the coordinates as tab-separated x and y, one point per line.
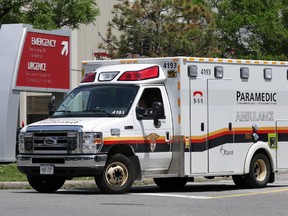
147	73
90	77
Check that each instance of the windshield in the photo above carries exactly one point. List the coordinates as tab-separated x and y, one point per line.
98	101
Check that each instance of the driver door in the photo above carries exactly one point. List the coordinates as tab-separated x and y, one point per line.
154	141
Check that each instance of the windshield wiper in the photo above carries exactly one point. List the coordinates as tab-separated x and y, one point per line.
99	110
62	111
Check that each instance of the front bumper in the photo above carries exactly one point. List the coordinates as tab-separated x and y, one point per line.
64	165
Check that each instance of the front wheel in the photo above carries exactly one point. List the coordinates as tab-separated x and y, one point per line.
45	184
118	175
260	172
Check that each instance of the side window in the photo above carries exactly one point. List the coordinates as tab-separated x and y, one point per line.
148	97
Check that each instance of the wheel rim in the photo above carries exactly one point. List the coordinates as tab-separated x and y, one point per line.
116	174
260	170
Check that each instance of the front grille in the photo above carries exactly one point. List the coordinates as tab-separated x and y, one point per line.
50	141
53	139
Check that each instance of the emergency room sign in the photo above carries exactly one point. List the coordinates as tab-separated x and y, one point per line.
44	62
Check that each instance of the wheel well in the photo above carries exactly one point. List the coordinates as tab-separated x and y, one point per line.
121	149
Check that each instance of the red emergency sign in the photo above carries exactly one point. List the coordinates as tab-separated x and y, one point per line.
45	62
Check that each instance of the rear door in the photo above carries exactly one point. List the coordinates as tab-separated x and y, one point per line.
221	154
282	144
199	126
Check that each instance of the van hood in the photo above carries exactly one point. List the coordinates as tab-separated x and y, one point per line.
87	124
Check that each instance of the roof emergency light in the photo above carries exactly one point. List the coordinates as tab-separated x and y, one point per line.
147	73
107	76
90	77
218	72
192	71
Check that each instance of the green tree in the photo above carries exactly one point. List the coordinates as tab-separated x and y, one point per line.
253	28
161	28
48	14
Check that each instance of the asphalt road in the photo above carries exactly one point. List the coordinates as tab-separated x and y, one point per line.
199	198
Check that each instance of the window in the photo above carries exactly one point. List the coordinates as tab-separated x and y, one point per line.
148	97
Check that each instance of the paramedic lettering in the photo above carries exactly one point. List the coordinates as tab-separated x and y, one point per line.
256	97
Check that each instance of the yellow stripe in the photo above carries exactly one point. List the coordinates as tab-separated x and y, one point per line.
129	138
250	194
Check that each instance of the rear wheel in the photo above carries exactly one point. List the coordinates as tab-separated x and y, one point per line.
260	172
173	183
45	184
118	176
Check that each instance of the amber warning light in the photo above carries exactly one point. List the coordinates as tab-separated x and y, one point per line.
147	73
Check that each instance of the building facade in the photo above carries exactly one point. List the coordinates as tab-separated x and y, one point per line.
84	45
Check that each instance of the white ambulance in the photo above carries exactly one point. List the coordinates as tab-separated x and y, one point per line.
170	119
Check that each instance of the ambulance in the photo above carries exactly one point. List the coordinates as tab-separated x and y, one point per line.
170	119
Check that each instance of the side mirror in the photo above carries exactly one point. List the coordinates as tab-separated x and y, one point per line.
157	109
51	106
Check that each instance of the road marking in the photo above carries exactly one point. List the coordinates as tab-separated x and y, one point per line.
210	197
173	195
250	194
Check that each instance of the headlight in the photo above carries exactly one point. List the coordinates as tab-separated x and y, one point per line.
21	146
92	142
25	143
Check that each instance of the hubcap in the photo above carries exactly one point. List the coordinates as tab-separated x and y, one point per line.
260	170
116	174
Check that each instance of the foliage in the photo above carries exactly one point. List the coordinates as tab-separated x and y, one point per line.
161	28
48	14
253	29
10	173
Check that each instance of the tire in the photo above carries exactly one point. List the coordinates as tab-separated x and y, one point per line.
260	172
170	183
239	181
118	175
45	184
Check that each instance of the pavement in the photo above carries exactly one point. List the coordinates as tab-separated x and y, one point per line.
70	184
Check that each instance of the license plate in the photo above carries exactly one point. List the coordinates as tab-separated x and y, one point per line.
46	169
